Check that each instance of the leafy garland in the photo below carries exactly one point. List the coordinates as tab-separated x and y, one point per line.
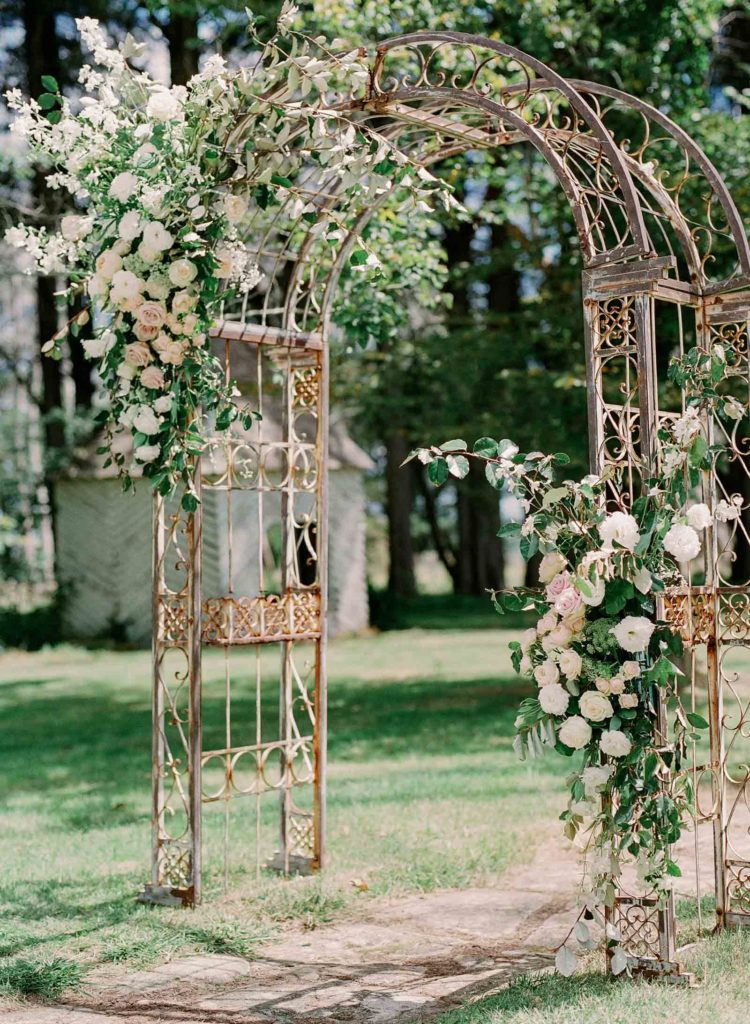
164	181
598	654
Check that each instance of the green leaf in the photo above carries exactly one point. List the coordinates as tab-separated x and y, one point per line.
454	446
50	83
485	447
47	101
509	530
358	258
189	502
437	471
696	720
494	475
529	546
458	466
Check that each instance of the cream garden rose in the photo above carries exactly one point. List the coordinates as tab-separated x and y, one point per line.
615	743
550	565
595	706
546	673
554	699
575	732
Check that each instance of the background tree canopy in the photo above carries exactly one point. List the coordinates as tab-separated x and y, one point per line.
494	293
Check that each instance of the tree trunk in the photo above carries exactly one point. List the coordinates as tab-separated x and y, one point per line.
181	33
399	500
481	560
83	380
42	58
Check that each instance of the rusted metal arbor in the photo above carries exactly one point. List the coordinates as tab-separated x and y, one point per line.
666	266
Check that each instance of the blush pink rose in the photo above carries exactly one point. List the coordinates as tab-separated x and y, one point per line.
557	585
138	354
152	377
568	602
152	314
145	333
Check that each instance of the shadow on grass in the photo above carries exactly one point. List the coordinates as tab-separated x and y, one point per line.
82	764
539	993
100	745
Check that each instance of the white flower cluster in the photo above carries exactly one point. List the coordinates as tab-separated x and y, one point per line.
167	180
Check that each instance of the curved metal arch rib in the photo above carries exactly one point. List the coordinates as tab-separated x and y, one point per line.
382	97
690	148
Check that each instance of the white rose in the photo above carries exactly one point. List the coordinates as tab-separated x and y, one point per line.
547	622
546	673
633	633
619	527
147	254
528	639
108	263
156	236
550	566
126	371
129	226
614	744
602	684
158	286
558	637
147	452
682	542
235	208
123	186
125	285
631	669
699	517
628	700
74	228
554	699
164	105
183	302
570	663
163	404
526	665
595	777
575	732
595	706
182	272
146	421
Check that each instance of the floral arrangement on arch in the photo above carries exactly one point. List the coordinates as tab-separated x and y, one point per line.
161	181
599	656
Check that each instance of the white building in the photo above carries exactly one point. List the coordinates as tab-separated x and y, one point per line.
103	545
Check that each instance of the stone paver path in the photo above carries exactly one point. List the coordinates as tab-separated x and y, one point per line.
407	960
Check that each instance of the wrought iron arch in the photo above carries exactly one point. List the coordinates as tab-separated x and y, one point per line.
635	237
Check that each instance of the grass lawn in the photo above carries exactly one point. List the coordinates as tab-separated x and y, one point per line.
424	792
722	963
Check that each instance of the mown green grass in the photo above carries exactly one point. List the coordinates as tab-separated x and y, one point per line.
424	792
722	963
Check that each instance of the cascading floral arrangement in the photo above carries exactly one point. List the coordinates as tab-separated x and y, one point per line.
598	654
161	181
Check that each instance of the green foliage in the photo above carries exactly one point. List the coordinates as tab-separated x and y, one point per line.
45	978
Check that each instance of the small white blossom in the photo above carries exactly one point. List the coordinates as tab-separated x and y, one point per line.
682	542
633	633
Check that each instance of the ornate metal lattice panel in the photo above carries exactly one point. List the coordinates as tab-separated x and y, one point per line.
258	588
